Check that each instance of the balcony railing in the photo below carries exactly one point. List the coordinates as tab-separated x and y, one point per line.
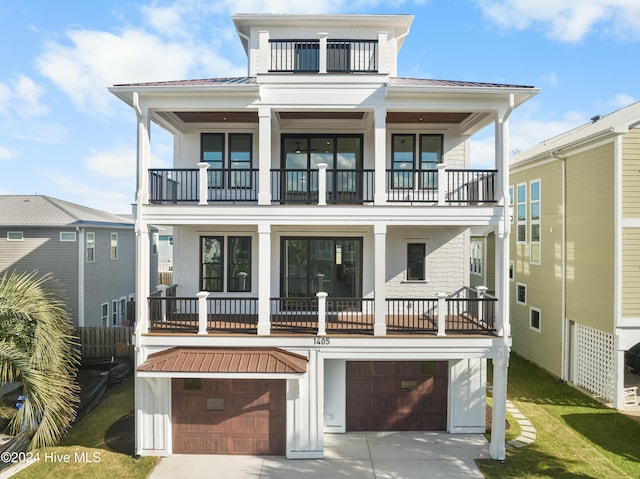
303	186
322	186
465	312
344	56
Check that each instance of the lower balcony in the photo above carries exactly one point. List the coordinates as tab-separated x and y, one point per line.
466	312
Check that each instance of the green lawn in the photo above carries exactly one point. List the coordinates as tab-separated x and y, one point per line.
91	446
577	437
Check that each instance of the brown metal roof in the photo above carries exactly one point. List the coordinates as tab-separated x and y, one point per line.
225	360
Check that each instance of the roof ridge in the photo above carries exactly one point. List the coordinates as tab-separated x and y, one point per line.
55	203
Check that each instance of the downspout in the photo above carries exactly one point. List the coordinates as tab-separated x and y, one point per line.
80	233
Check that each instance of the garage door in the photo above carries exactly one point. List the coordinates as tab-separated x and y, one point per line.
228	416
397	395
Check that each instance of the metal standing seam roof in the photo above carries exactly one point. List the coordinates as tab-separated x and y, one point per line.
41	210
224	360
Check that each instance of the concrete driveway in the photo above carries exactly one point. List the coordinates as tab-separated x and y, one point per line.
405	455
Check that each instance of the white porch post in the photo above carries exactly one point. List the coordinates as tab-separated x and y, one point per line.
442	313
383	53
322	313
202	311
379	286
322	52
482	290
442	183
380	156
203	183
264	156
264	279
163	305
497	448
322	184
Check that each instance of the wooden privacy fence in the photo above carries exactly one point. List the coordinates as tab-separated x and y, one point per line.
100	342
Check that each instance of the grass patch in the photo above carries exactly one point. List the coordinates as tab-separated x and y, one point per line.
87	452
577	437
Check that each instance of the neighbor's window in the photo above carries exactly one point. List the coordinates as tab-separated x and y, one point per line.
211	263
511	270
511	203
90	247
535	255
476	257
415	261
15	235
239	263
521	293
522	213
114	245
104	314
191	384
535	317
154	244
67	236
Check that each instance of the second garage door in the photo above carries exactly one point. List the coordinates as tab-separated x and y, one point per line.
397	395
229	416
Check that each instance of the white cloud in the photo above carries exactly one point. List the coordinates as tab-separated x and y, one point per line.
7	153
567	20
620	101
115	163
21	97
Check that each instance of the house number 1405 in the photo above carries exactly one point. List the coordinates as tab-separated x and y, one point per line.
321	341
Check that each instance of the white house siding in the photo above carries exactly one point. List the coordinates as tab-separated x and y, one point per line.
42	250
107	280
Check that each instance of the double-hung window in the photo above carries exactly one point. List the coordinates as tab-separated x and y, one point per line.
535	255
522	212
229	157
114	245
90	247
476	257
211	263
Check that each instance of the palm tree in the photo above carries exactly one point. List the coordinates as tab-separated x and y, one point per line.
37	348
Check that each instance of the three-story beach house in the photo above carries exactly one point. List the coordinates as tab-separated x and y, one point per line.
321	209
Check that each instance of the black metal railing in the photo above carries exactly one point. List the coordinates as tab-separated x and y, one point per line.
232	314
471	186
173	314
232	185
173	185
350	315
412	315
418	186
468	313
343	56
294	315
300	186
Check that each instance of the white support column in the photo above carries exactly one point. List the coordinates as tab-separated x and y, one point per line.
380	155
143	285
379	283
322	57
497	448
442	313
263	60
202	311
482	291
383	53
322	184
442	184
203	180
163	305
144	154
264	279
322	313
264	156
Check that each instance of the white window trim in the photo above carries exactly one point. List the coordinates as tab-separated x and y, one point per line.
518	221
525	293
104	319
535	222
482	248
92	235
539	311
111	255
114	314
9	233
62	239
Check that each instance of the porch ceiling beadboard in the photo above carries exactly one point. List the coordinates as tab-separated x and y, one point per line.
225	360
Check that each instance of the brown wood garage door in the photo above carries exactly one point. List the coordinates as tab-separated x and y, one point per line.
397	395
228	416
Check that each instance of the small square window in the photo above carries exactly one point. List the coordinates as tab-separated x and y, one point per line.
67	236
535	317
215	404
15	235
191	384
521	293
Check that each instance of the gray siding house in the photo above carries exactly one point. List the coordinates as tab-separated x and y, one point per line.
90	252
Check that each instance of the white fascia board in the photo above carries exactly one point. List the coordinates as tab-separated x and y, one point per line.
179	93
499	94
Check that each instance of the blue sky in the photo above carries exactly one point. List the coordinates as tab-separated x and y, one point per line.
62	134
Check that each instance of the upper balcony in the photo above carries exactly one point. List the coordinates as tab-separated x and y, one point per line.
323	186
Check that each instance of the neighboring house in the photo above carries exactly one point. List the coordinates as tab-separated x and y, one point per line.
321	209
90	252
575	302
482	261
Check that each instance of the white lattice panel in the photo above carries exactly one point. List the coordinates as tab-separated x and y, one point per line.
595	368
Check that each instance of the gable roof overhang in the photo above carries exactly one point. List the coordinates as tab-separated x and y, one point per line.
213	362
